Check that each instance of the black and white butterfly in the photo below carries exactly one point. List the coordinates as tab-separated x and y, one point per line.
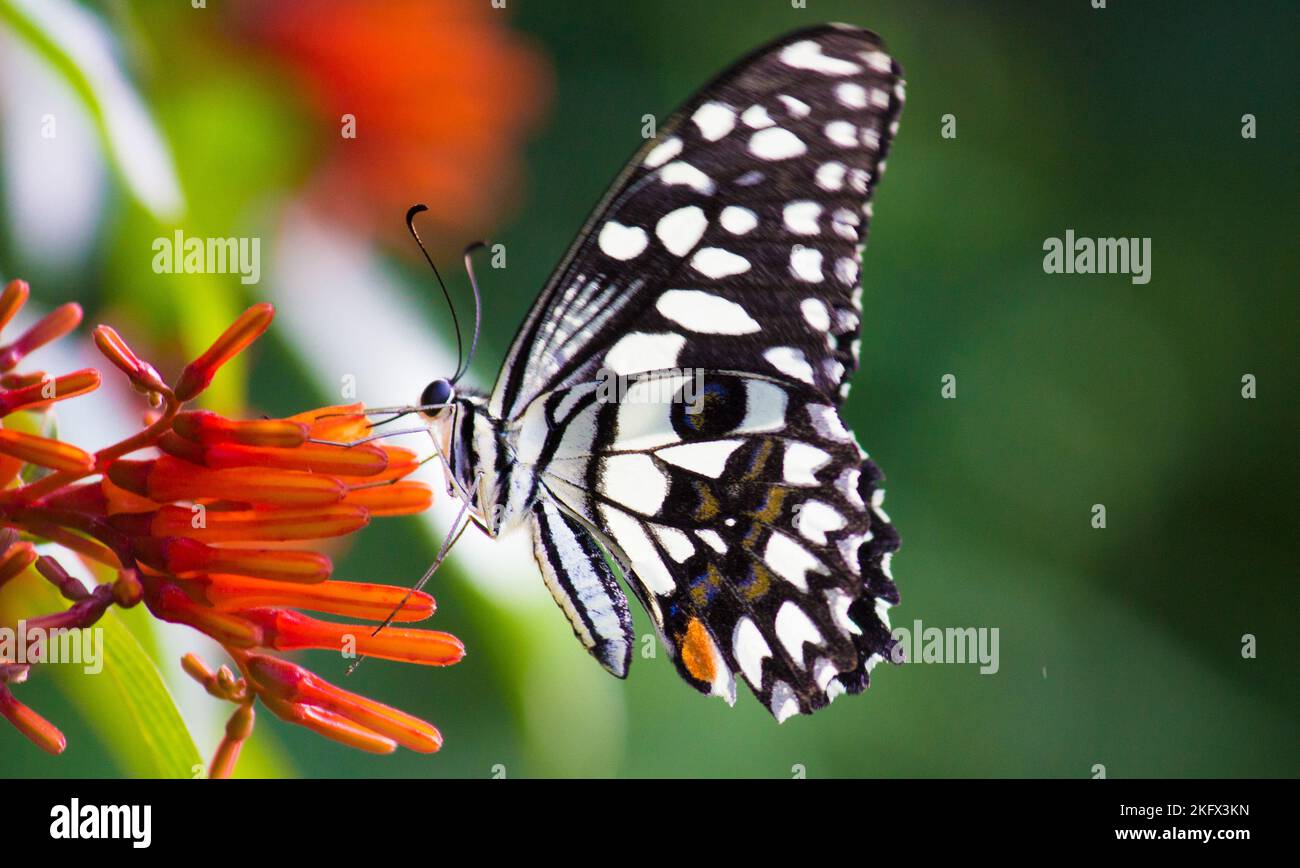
719	276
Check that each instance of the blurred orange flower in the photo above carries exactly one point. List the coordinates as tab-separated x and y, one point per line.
442	95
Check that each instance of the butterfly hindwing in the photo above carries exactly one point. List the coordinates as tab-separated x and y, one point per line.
733	238
747	521
580	580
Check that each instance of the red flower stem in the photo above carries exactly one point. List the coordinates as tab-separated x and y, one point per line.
87	548
80	614
53	482
37	520
53	572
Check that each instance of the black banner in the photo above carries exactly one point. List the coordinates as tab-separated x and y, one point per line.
300	817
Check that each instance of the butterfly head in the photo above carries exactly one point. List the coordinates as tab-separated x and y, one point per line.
437	398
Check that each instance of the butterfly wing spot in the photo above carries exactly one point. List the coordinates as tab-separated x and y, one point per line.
737	220
794	628
776	143
847	486
808	54
790	362
636	351
765	406
677	544
815	313
878	61
705	586
816	519
622	242
663	152
782	703
800	217
851	94
832	370
806	264
842	134
830	176
756	118
638	551
706	313
802	462
839	603
717	263
750	650
681	229
844	222
850	547
796	107
680	172
635	480
714	120
756	585
846	270
713	540
698	652
707	458
790	560
826	422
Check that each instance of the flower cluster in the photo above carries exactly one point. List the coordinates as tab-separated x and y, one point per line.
206	530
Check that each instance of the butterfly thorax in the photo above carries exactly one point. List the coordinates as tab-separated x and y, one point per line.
482	454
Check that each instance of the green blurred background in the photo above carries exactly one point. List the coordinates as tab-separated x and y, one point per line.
1119	646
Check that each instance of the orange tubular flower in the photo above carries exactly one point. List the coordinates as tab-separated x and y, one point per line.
185	532
295	694
37	729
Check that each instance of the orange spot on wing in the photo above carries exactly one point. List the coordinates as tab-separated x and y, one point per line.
697	651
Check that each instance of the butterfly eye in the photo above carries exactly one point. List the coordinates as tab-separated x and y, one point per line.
436	393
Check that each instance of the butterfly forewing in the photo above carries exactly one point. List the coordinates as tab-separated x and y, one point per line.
733	239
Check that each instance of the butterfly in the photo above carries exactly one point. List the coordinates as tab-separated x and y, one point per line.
669	409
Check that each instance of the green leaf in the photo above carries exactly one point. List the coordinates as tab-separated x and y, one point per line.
127	703
147	703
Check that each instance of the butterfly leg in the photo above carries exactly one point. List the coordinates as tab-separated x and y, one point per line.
348	444
458	527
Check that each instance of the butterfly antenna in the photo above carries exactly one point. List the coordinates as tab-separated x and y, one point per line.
410	227
478	307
